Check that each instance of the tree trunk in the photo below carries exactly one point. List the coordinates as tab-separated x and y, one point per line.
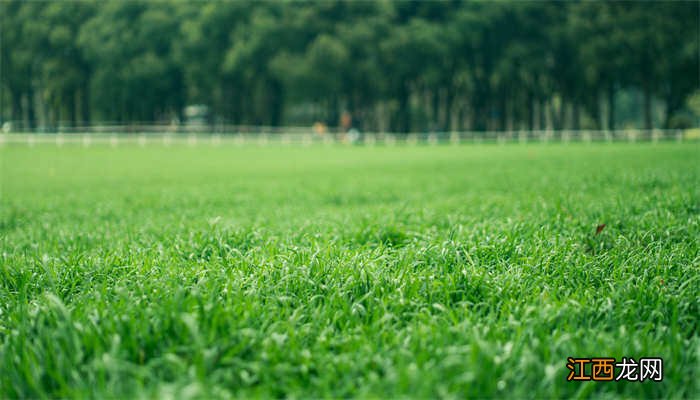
542	118
435	112
596	111
276	103
404	110
673	104
576	117
84	106
72	108
31	114
648	124
503	117
16	106
561	117
552	114
611	107
667	114
531	112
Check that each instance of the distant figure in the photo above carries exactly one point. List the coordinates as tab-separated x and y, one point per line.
345	121
353	135
320	128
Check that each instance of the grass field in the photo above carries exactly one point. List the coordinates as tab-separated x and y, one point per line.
445	271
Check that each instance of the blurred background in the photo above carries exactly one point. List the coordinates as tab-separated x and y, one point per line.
379	66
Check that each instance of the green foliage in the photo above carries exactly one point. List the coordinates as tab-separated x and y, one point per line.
402	66
444	271
136	78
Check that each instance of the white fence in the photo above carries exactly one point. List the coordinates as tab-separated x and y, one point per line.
307	137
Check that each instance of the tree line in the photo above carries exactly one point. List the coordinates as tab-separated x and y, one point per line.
392	66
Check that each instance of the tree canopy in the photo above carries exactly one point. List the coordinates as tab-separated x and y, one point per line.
397	66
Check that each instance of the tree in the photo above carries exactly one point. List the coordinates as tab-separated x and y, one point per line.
65	72
402	66
136	77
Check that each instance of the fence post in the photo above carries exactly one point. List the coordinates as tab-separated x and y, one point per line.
500	138
262	140
522	137
587	137
432	139
411	139
306	140
370	139
454	138
192	139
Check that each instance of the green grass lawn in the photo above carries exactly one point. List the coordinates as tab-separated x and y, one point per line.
445	271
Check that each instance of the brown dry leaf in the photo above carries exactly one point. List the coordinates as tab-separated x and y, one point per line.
599	228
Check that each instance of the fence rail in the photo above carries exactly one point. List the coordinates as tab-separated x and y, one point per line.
307	137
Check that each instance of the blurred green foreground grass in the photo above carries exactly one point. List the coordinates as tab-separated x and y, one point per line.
445	271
